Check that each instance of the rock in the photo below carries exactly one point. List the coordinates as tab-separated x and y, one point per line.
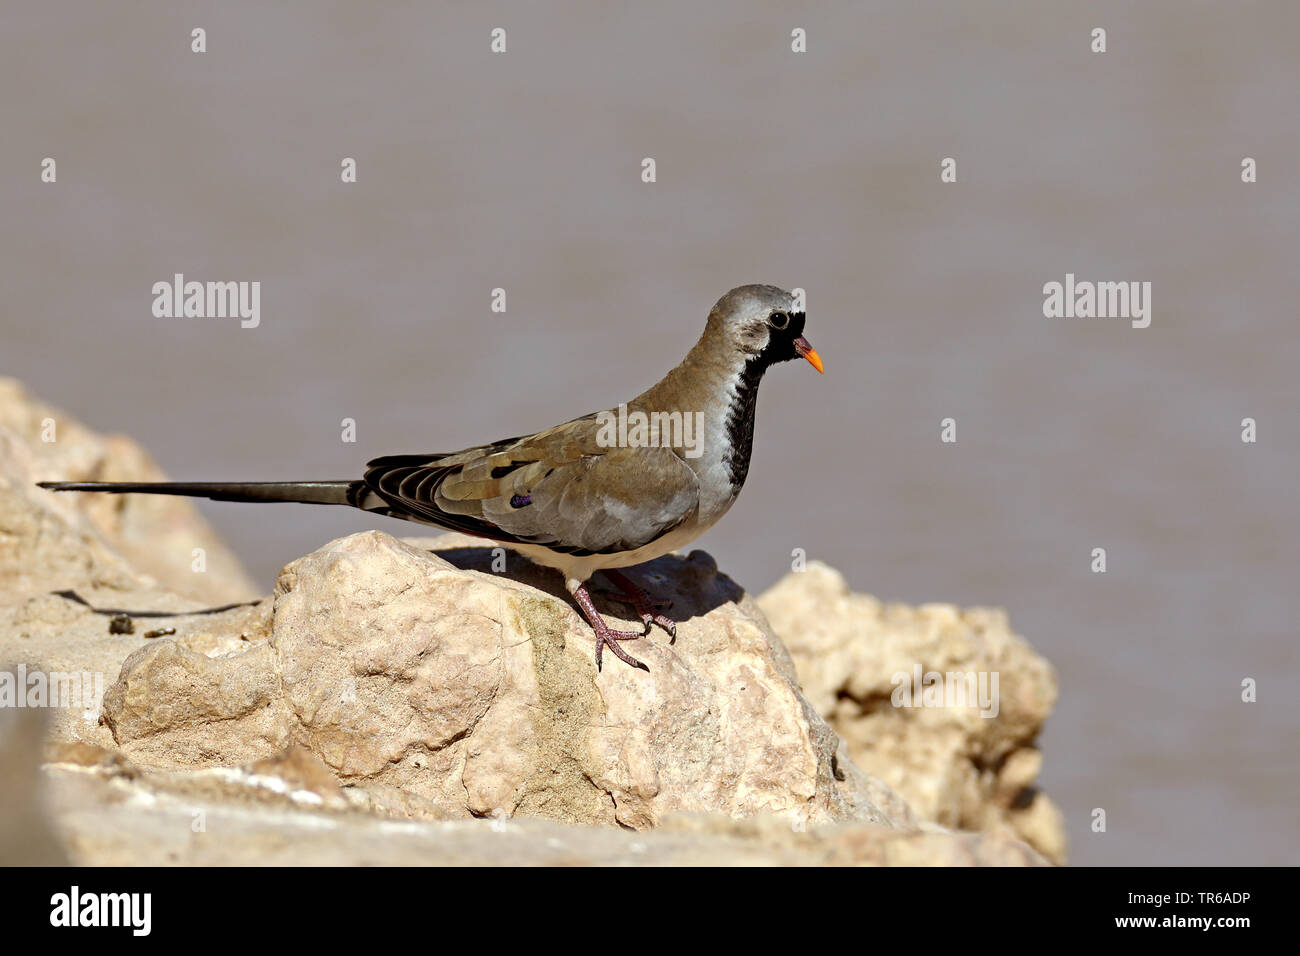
52	541
478	693
225	817
54	636
952	765
165	690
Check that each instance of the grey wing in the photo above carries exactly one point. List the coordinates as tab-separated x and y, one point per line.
558	489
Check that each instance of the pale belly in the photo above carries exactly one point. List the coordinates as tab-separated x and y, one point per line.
577	568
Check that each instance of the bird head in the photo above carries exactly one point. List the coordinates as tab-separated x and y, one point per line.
761	322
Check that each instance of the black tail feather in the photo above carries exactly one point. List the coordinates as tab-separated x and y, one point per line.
304	492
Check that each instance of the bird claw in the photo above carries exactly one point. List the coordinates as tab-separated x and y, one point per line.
667	623
646	609
605	636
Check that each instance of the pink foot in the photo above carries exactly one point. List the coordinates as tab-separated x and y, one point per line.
641	602
605	635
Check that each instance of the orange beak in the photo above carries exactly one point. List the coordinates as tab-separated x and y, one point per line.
807	351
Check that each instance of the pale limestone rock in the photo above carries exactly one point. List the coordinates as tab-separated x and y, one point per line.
70	540
234	698
114	815
54	635
112	551
952	765
479	694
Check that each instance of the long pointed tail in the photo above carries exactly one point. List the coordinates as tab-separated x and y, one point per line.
305	492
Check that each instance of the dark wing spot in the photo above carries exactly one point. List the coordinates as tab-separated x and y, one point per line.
500	471
521	501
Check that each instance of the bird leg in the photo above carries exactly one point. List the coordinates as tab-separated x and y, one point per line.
646	608
604	633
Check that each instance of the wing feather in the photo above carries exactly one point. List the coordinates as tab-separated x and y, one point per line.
558	488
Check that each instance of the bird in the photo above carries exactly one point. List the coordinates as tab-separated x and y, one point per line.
605	491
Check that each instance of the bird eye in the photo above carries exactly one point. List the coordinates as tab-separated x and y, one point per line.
779	320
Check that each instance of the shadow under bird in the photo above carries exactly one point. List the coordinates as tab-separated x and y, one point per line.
592	494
